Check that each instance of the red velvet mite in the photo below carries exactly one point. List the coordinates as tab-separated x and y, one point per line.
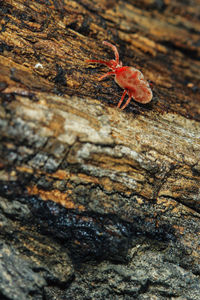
128	78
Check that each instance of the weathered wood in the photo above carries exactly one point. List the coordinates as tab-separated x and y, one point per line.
79	173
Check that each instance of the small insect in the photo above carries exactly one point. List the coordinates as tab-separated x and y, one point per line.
128	78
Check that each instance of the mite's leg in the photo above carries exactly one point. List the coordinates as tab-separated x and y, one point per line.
107	74
122	98
114	48
98	61
127	102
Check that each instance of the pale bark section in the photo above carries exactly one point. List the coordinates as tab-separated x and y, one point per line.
151	155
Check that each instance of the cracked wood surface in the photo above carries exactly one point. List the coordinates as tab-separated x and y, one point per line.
64	140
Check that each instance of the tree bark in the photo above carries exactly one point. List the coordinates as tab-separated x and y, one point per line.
83	181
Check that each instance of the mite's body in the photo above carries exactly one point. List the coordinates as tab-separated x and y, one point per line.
128	78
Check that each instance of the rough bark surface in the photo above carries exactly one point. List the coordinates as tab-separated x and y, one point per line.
95	202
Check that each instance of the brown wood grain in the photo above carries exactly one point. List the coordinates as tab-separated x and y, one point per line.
62	137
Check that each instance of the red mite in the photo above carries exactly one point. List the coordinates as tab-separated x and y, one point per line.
128	78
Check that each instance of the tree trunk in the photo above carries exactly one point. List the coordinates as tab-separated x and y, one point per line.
83	181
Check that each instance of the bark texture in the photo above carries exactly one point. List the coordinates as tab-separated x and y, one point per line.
95	202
